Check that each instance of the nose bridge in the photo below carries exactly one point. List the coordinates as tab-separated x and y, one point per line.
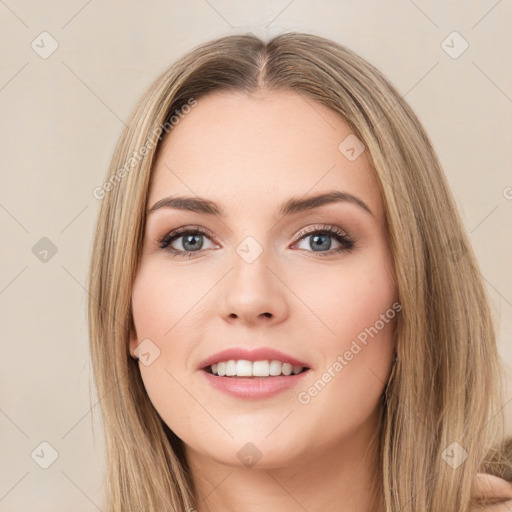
252	290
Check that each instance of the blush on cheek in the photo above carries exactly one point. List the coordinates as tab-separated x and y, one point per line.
357	310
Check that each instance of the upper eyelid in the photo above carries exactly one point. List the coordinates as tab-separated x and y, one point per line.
324	227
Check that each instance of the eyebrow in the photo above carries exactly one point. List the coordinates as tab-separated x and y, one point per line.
289	207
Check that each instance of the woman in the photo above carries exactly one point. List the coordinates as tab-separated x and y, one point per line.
276	370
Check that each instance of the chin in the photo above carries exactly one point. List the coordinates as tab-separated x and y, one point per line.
254	452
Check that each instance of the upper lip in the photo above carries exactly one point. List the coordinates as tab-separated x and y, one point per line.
255	354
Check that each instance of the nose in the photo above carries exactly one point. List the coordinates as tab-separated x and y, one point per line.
254	293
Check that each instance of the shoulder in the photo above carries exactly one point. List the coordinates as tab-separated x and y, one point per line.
497	492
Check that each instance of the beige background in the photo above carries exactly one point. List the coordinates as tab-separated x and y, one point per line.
62	114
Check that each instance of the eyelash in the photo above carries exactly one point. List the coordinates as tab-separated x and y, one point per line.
347	242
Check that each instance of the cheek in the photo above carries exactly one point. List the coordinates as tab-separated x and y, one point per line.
164	300
162	307
347	388
350	297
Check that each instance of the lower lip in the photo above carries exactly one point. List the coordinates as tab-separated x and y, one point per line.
264	387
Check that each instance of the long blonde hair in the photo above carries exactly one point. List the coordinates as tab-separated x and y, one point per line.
445	385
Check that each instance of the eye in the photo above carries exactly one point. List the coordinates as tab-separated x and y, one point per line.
192	241
319	239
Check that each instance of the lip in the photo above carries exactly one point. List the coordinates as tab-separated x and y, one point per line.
255	354
253	388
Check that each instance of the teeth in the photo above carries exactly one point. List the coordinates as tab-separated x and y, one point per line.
244	368
230	368
260	369
275	367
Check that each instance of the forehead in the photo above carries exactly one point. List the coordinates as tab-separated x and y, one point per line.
259	150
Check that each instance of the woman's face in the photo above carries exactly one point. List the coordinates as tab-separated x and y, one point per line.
260	277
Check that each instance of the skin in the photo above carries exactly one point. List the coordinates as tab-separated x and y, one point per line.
250	154
493	488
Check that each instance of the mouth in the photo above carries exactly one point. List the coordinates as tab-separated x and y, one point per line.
254	380
245	369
